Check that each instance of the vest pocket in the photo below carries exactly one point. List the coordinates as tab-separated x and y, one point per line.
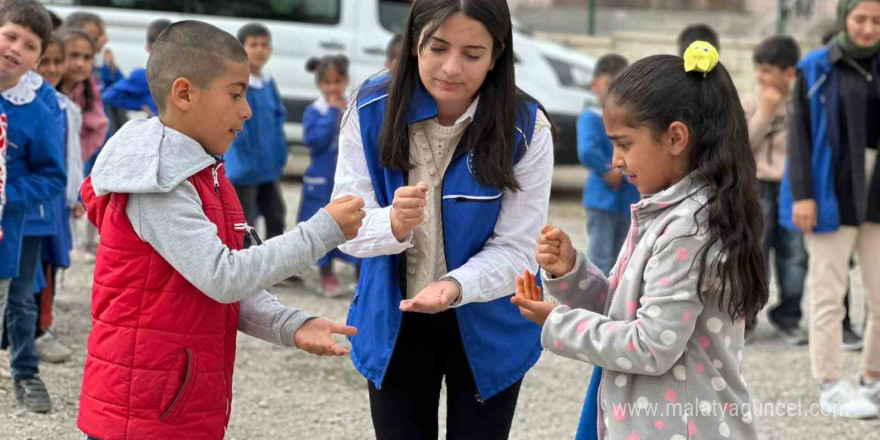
174	409
463	198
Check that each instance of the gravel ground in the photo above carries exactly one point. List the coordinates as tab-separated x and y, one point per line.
284	393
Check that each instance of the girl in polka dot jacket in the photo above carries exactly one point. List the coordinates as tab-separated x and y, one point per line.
665	328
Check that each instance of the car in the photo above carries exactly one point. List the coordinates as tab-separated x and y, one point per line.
360	29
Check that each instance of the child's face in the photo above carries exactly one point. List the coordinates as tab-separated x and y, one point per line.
79	61
333	83
19	51
599	86
768	75
652	163
98	34
863	24
456	60
52	64
217	112
259	49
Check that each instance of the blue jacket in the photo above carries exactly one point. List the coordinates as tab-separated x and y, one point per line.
815	138
132	93
42	219
107	77
499	343
259	153
595	151
35	172
321	136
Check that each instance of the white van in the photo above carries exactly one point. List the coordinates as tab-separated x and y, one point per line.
360	29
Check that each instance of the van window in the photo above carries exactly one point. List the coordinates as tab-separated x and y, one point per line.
303	11
393	15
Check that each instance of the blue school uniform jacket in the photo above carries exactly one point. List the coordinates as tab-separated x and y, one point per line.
822	83
42	219
132	93
500	344
259	153
35	172
595	151
321	136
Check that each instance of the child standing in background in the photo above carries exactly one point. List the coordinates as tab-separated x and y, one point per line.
607	195
57	247
256	158
77	84
35	176
133	93
321	135
767	114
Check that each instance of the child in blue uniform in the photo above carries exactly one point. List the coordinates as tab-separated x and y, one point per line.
56	247
133	93
321	135
35	176
256	158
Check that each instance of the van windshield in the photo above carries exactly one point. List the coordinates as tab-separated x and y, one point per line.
393	14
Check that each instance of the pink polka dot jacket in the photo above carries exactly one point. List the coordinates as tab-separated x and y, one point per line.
672	364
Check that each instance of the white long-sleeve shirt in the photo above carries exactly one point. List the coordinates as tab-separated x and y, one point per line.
491	273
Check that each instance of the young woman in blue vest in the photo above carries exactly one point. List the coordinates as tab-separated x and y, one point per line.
832	193
454	164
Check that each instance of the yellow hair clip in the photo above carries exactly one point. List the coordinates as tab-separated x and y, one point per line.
700	56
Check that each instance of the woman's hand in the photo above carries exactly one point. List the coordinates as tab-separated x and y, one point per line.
435	298
554	252
804	215
408	209
528	299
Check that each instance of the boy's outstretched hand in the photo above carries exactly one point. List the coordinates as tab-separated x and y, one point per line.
314	337
554	252
435	298
348	211
528	299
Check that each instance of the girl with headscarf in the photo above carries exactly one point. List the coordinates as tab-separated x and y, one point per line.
832	193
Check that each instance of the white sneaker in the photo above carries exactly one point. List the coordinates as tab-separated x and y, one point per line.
841	400
51	349
870	391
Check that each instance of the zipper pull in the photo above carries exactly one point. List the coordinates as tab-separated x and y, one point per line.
216	181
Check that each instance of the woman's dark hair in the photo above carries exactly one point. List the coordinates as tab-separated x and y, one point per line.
491	134
655	92
320	66
68	36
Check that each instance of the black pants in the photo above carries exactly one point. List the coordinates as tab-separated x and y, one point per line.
265	200
428	349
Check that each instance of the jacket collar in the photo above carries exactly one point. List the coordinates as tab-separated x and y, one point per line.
422	107
686	188
21	94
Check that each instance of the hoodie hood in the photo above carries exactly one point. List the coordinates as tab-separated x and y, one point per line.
145	156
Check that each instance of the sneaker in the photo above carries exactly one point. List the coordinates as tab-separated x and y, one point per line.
841	400
330	286
851	340
870	391
30	391
793	336
51	349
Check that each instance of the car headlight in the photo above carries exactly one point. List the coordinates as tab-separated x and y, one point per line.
571	75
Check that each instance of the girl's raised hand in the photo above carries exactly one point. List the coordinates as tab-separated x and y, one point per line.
554	252
528	299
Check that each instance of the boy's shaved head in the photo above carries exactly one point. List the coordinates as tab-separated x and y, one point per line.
193	50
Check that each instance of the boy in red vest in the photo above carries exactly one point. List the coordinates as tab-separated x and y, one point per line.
172	283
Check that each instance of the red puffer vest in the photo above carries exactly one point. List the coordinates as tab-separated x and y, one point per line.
161	352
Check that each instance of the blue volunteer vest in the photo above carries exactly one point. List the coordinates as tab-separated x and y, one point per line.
499	343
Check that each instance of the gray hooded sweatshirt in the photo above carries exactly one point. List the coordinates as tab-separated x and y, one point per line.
152	163
672	364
